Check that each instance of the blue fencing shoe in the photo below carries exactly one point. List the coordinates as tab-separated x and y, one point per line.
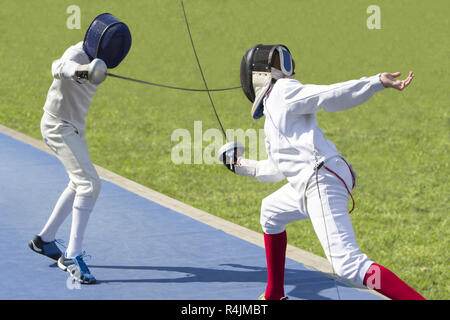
77	269
49	249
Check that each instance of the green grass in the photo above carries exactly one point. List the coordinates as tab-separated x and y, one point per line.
397	142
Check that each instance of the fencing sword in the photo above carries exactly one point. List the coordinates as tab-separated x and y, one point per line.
97	71
167	86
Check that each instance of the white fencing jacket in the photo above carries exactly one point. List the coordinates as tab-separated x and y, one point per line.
68	99
294	141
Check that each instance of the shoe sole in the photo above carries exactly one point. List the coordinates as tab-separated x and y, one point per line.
61	266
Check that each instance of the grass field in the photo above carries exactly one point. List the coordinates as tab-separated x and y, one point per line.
398	142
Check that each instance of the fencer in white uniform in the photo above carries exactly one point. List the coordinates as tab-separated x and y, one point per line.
76	75
63	130
296	146
320	179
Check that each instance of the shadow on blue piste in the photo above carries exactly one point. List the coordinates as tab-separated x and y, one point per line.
304	286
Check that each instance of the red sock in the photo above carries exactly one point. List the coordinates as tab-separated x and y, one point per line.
388	284
276	256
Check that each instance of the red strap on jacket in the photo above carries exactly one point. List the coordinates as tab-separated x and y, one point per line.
353	178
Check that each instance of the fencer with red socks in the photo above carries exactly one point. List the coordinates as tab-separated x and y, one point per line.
320	179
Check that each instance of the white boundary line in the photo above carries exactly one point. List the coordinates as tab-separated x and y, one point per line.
308	259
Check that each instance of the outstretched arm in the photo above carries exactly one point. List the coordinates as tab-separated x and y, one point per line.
67	68
64	69
341	96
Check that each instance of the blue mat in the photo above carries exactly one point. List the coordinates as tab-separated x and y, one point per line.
139	249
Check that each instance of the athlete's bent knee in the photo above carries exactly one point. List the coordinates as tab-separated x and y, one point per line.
269	225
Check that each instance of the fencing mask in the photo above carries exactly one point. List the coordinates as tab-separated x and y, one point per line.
107	38
257	72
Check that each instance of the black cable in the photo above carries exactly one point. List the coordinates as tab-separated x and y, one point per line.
201	71
316	169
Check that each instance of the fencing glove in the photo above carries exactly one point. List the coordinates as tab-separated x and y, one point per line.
231	154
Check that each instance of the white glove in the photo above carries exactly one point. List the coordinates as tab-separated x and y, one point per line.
95	71
245	167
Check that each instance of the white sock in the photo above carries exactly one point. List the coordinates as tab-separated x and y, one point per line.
81	211
60	212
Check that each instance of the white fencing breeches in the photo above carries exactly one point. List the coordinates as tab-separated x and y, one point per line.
71	149
328	214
